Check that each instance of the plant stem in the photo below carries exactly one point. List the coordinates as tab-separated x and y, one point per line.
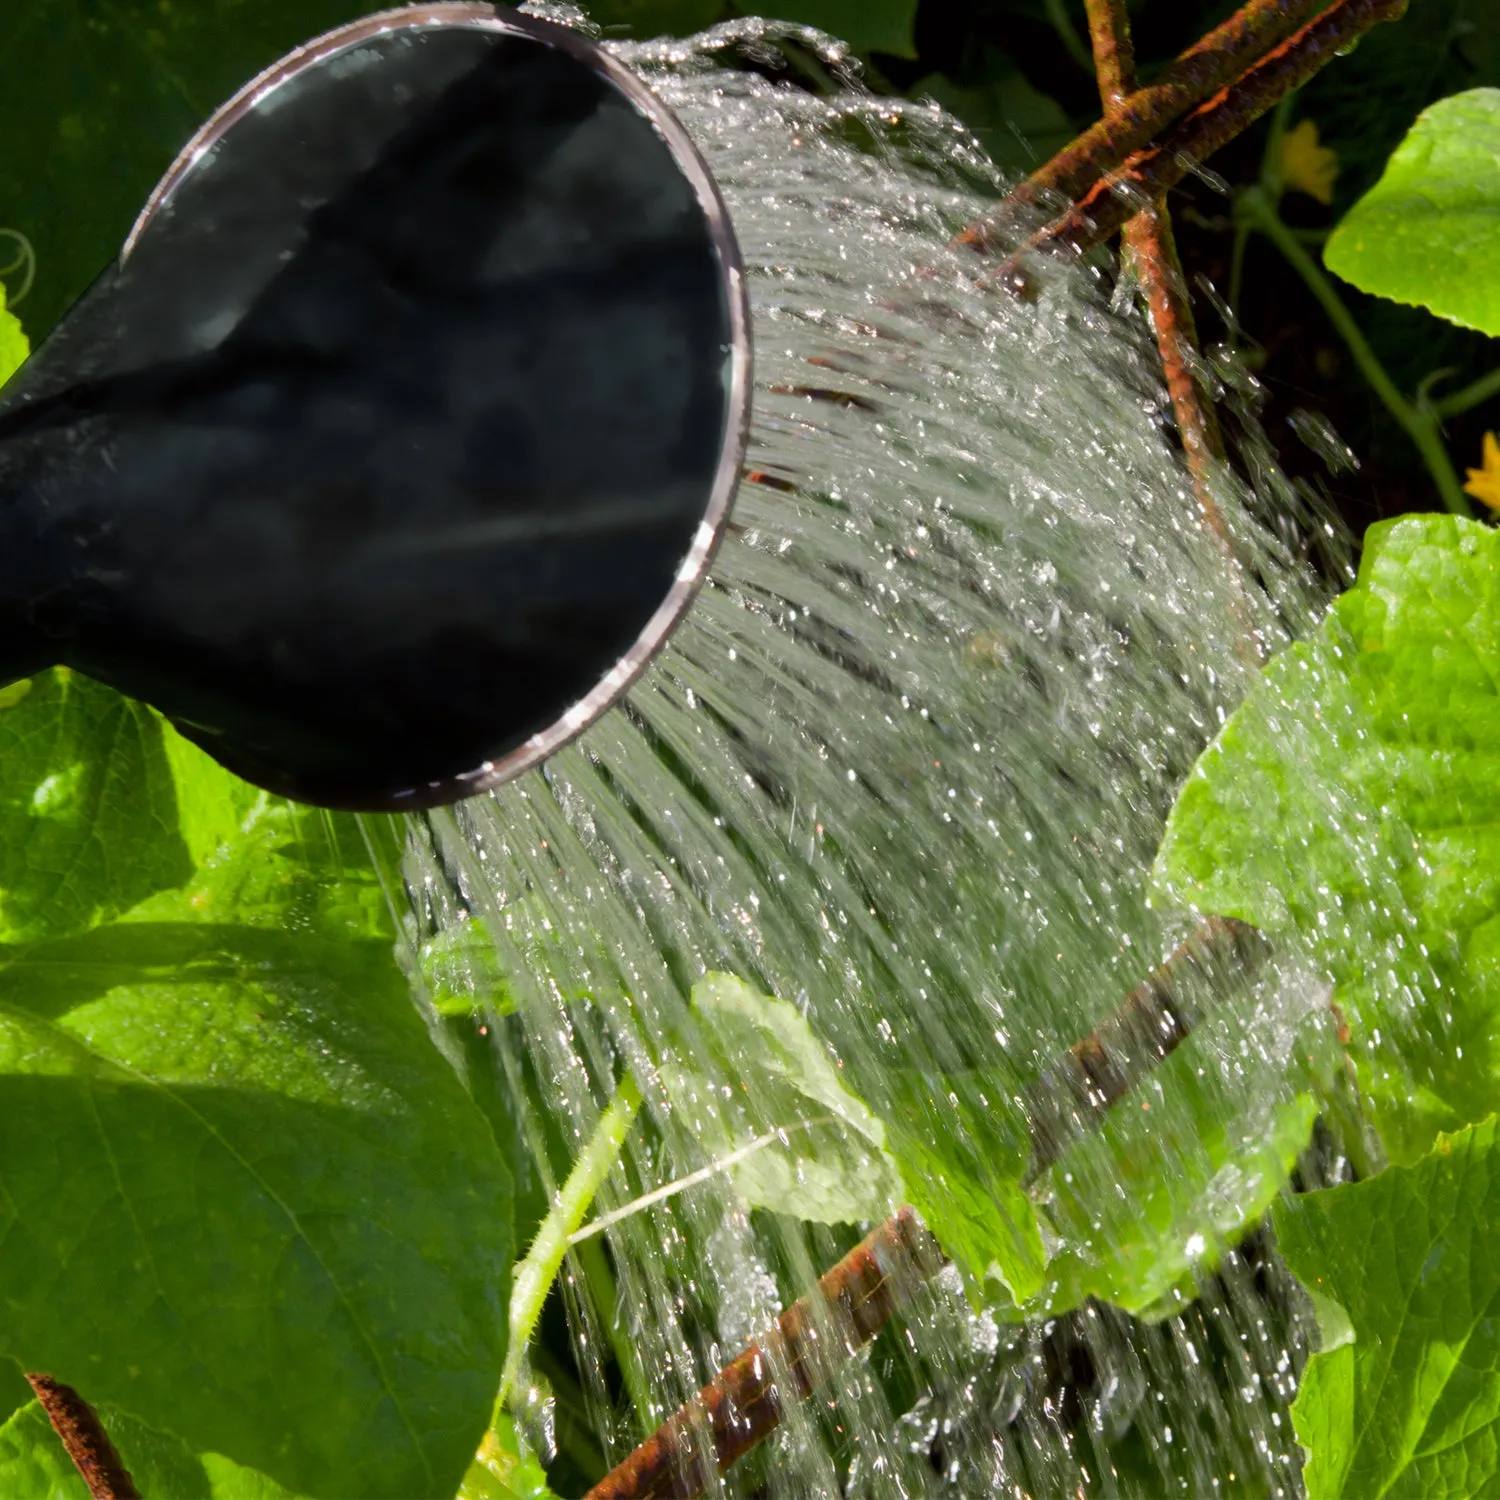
535	1275
1153	252
1419	424
1484	389
606	1298
1148	174
1210	63
77	1424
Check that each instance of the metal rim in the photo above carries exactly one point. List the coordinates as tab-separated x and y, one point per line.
700	554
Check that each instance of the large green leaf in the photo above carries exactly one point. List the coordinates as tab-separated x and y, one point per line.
1405	1262
1352	806
242	1196
34	1464
1429	231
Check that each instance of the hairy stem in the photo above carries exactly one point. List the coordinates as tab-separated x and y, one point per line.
1419	424
535	1275
77	1424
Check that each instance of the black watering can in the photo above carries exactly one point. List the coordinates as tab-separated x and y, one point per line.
402	432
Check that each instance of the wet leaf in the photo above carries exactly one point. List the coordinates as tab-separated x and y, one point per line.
33	1463
1352	807
1410	1406
244	1197
1426	233
505	1469
810	1149
1181	1169
1019	126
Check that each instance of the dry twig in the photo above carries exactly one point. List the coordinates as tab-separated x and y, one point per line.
77	1424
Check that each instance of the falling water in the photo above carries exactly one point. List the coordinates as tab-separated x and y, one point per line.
905	765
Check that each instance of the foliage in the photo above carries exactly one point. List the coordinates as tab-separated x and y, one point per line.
244	1197
1404	1398
1351	804
1425	233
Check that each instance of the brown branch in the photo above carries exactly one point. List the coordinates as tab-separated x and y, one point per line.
810	1342
1070	1099
1149	174
1152	251
1207	66
77	1424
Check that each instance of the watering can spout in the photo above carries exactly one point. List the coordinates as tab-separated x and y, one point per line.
401	434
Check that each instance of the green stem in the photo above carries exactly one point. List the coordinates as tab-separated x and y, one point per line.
535	1275
1469	397
1419	425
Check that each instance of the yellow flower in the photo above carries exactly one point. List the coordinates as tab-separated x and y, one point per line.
1307	166
1484	483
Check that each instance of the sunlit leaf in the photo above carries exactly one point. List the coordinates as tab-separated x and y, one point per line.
1426	233
1352	807
1410	1405
242	1196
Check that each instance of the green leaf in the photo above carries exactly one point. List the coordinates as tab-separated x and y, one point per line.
462	971
867	25
505	1468
34	1463
14	345
811	1149
962	1166
88	808
1352	806
1180	1170
242	1196
1428	232
1410	1406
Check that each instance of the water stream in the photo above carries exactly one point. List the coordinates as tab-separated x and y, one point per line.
905	765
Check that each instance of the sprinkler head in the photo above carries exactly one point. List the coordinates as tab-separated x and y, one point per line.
403	431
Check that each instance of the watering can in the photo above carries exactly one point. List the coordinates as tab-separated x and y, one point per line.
402	432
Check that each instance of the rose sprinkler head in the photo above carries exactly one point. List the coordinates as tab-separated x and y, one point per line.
403	431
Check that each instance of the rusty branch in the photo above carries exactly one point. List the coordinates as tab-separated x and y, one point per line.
77	1424
1207	66
1070	1099
1149	174
1152	251
810	1342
